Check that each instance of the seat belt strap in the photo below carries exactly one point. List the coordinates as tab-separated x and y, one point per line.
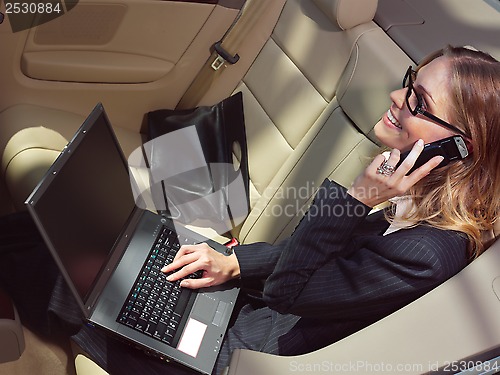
225	52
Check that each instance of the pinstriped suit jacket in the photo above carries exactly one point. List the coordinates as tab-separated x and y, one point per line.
339	274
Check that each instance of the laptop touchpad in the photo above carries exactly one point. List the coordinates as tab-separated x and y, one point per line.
205	308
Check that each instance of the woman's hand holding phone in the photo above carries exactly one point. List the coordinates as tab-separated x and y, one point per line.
373	187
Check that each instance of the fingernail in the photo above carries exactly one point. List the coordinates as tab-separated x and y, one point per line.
184	283
420	142
169	278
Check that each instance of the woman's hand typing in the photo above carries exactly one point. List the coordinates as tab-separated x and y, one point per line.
217	268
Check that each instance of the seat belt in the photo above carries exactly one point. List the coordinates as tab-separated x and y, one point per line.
225	52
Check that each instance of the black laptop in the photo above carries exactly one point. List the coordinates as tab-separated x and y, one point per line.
111	251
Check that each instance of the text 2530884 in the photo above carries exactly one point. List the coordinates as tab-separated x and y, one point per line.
33	8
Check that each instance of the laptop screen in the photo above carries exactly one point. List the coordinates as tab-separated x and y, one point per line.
85	200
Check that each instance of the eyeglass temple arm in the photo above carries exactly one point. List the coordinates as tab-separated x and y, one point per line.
445	124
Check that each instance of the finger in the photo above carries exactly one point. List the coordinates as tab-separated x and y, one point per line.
410	160
203	282
184	271
377	161
188	249
180	262
393	158
180	258
424	170
183	250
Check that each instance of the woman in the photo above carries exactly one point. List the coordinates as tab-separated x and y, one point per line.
338	273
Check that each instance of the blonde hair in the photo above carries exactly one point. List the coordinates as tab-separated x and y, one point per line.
464	196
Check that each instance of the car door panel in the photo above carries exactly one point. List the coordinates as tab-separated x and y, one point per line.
132	55
132	42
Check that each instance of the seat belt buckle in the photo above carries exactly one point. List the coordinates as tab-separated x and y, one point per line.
223	57
218	63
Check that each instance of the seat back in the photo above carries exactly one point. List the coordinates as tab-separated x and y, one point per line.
289	94
307	111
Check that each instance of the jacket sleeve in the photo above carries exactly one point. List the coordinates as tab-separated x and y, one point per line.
323	273
257	260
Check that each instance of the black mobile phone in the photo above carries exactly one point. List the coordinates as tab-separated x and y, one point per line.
451	148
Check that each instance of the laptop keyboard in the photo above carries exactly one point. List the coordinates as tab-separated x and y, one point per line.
156	306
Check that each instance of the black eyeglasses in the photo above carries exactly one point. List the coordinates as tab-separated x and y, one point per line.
415	103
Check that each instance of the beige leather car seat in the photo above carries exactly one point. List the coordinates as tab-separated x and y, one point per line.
11	331
31	137
312	98
297	93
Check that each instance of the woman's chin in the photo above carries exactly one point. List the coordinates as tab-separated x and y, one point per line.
389	137
383	135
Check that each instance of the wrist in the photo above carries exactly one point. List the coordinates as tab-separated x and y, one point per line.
234	266
360	196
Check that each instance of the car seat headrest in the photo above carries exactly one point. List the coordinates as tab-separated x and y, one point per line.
348	13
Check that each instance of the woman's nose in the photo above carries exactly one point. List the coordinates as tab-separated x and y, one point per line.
398	97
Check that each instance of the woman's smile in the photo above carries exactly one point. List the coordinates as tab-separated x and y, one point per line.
391	121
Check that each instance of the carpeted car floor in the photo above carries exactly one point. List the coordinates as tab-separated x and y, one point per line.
41	357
